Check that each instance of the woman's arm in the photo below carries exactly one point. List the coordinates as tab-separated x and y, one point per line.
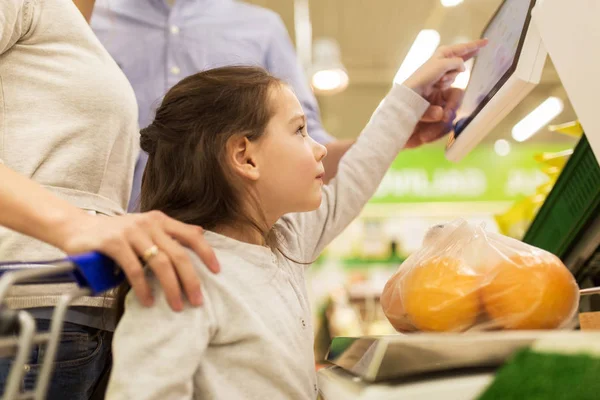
28	208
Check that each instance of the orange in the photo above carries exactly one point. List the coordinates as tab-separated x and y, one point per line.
391	303
530	292
441	295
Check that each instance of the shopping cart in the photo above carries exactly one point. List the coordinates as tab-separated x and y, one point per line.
93	273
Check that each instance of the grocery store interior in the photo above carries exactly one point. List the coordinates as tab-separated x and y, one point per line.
472	272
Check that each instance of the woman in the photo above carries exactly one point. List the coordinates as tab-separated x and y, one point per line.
68	121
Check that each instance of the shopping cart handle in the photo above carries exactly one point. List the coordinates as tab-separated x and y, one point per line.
94	271
9	322
97	272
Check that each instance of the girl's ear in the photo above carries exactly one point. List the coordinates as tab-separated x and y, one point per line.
241	154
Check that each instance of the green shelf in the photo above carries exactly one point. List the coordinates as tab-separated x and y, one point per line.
572	205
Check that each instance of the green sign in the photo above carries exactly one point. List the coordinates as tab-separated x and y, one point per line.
424	175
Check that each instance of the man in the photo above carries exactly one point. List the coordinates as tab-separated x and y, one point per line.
159	42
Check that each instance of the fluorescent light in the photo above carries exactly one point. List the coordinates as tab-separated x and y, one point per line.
450	3
537	119
462	79
331	80
328	75
502	147
421	50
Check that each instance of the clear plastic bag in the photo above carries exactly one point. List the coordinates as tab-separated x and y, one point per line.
464	278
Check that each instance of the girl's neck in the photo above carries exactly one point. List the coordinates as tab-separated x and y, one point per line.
241	233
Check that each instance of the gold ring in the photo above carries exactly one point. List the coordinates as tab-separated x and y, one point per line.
150	253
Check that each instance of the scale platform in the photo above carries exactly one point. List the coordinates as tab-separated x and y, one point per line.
426	366
383	358
337	384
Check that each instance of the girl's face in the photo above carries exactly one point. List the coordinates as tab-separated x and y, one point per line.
288	161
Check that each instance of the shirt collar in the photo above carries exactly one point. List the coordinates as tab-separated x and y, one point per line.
253	253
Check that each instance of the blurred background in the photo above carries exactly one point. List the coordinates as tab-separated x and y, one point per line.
374	38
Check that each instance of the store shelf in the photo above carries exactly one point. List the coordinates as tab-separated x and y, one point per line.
571	207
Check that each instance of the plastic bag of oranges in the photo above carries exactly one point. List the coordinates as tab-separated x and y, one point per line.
464	278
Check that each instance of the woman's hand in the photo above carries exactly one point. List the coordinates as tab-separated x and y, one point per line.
438	119
28	208
152	237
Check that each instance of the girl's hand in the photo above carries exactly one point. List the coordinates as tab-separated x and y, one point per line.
438	73
432	81
151	236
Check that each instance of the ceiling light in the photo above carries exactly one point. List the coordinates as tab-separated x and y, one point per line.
537	119
502	147
421	50
328	75
330	80
450	3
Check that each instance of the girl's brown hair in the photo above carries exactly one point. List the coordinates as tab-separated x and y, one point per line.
187	176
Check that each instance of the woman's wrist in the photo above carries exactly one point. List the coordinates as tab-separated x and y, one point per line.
62	225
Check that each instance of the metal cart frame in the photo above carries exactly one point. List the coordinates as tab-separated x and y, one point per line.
93	273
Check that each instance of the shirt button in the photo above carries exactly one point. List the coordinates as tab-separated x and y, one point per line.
315	386
303	323
175	70
175	30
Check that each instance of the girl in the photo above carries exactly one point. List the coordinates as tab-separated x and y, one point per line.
228	150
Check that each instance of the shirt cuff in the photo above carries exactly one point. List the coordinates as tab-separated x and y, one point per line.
410	98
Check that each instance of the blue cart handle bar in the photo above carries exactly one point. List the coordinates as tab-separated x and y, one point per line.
94	271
